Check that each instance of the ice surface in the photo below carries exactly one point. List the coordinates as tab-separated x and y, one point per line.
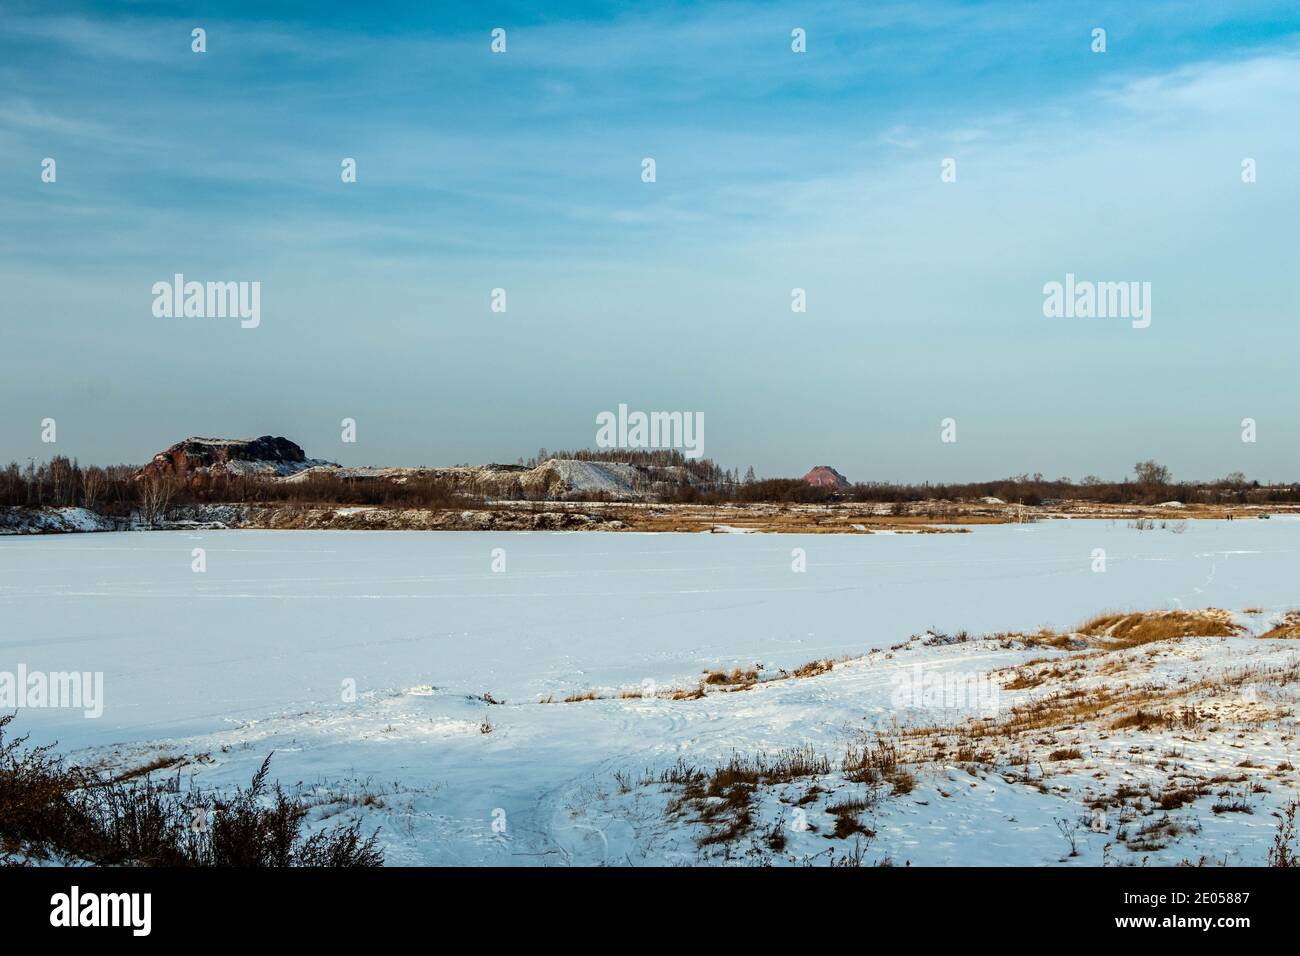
252	655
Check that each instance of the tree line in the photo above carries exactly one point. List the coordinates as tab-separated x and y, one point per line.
117	491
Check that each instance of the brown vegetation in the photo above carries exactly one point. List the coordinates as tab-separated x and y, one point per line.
722	798
116	492
738	677
53	812
1144	627
1283	851
1289	628
710	493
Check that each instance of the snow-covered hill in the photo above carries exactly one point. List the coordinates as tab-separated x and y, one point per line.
51	520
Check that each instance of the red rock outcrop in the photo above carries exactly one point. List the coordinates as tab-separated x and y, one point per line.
824	476
205	457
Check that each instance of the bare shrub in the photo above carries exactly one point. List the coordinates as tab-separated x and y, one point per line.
1282	852
50	811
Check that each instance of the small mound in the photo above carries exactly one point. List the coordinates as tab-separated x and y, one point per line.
1144	627
1287	628
571	478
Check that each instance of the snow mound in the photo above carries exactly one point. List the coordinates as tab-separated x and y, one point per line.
586	477
276	469
51	521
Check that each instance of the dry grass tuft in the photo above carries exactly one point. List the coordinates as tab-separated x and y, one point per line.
746	677
1140	719
847	819
814	668
1288	628
1145	627
880	761
1283	853
722	799
1024	679
53	812
687	693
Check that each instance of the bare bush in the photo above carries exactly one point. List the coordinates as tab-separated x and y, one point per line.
52	812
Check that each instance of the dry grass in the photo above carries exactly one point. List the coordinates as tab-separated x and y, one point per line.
1118	649
153	766
1140	719
847	822
1135	628
795	518
1070	753
814	668
1157	834
1124	700
1283	853
722	798
1025	678
880	760
53	812
713	681
1289	628
737	677
1046	638
1104	685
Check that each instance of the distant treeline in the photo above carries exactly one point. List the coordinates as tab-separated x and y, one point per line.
1023	489
61	483
700	470
1152	484
113	491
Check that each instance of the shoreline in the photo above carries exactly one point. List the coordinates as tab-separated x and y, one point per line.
926	517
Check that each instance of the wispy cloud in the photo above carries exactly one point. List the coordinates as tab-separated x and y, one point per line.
775	170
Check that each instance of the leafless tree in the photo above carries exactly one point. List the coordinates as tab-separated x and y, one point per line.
1151	472
92	487
156	494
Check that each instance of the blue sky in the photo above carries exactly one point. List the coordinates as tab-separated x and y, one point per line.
775	171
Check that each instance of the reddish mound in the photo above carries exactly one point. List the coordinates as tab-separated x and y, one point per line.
199	458
824	476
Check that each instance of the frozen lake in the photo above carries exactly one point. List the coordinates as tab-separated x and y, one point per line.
253	655
280	618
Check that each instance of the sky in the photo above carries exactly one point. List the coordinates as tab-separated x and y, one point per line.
774	170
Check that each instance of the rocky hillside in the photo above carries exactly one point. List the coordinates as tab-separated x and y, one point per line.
557	479
200	460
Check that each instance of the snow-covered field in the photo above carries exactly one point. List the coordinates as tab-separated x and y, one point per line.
259	653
